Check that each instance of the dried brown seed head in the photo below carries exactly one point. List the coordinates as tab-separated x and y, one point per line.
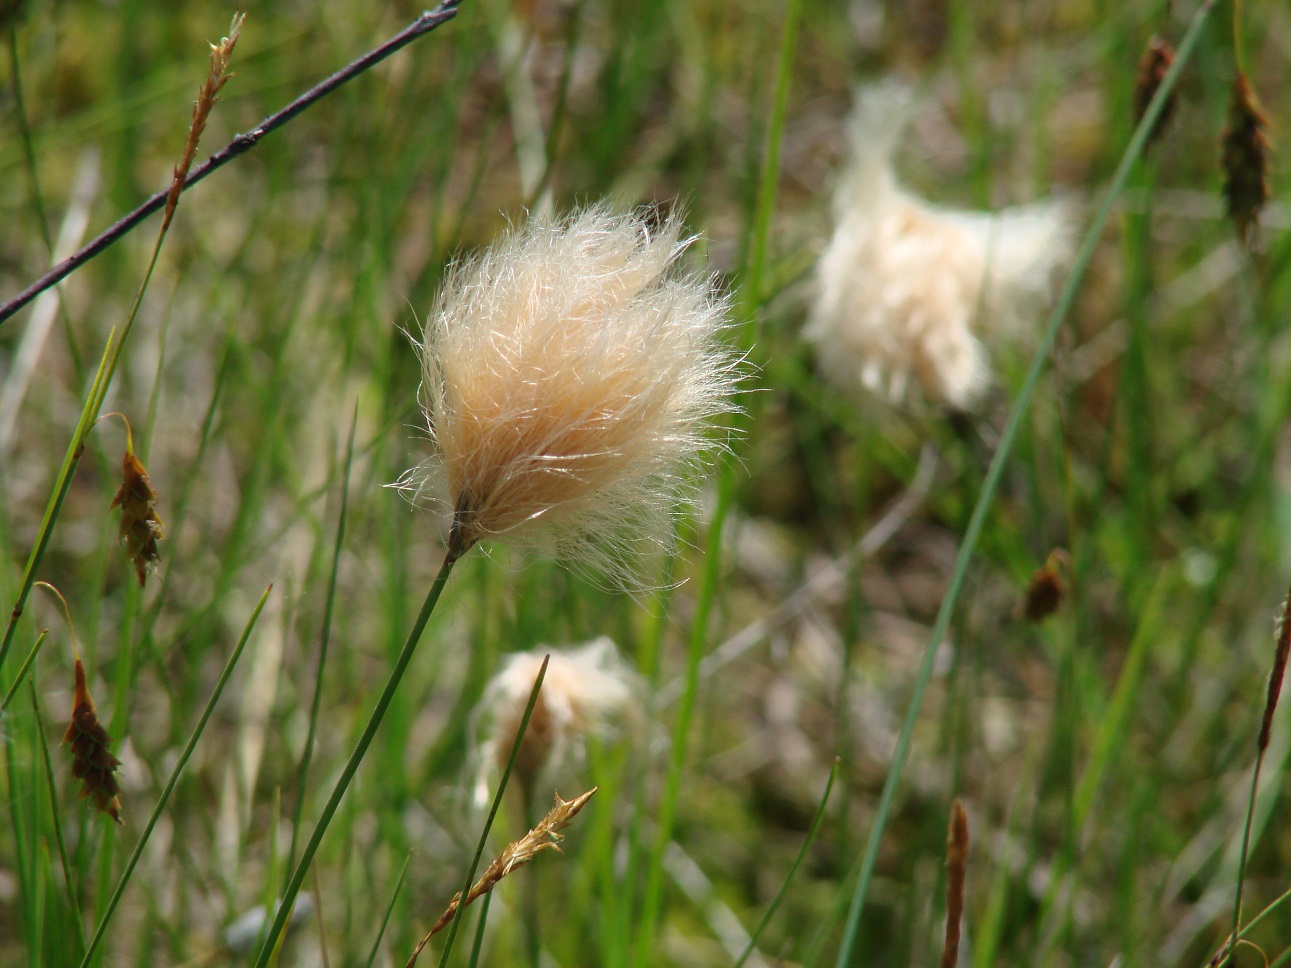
1154	63
141	527
1046	589
92	760
1244	160
546	835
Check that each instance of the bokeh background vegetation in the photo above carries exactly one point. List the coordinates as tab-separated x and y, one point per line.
1104	754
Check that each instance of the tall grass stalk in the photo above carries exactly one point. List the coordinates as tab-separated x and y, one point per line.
995	472
352	764
69	882
325	635
793	868
750	288
173	779
493	812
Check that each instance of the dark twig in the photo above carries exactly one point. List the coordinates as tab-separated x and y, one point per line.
240	144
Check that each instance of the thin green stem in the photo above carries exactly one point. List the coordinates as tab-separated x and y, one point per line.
69	882
173	780
22	671
493	811
352	765
1241	864
996	470
376	944
793	868
89	416
752	282
478	944
325	636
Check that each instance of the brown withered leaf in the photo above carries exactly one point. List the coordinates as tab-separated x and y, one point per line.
1244	160
141	527
1154	63
92	761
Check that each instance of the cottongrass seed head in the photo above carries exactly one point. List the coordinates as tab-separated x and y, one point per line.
908	293
571	375
588	694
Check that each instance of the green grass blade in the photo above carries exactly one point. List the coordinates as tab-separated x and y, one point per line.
352	765
325	635
493	811
173	780
69	883
23	670
376	943
477	945
793	868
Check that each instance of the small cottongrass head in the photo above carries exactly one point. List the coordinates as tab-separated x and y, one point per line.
572	375
588	695
908	295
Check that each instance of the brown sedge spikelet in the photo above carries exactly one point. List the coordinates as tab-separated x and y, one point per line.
92	760
1244	160
1154	63
141	527
956	875
545	836
1280	654
569	375
1046	588
207	96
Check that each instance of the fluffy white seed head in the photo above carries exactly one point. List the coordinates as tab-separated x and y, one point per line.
571	373
911	294
588	694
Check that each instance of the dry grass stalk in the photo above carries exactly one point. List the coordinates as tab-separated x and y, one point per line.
1156	60
209	93
546	835
956	873
1244	160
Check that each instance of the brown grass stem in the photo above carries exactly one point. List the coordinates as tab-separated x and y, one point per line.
240	144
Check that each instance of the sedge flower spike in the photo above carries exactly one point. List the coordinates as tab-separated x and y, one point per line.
911	296
571	374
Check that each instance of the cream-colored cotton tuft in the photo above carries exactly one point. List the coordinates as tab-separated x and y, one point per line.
909	294
571	375
589	692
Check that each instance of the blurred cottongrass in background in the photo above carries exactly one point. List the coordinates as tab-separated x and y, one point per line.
910	296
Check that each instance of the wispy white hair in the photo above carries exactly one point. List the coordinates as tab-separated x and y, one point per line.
571	374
